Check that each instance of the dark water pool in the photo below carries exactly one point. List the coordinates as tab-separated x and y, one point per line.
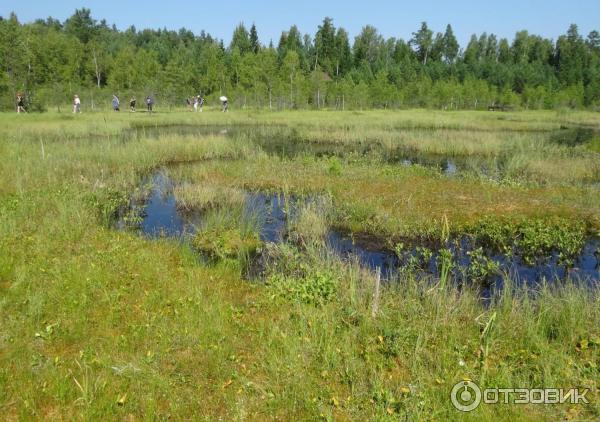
284	141
160	217
285	145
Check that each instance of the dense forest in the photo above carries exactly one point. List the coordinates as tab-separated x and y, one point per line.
49	61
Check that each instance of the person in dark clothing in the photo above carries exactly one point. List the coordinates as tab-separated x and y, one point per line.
149	103
132	104
21	104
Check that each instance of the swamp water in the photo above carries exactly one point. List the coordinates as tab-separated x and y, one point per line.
158	216
281	141
283	144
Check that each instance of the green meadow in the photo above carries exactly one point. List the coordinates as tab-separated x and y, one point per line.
104	323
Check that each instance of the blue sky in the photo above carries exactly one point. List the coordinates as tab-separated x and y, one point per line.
399	18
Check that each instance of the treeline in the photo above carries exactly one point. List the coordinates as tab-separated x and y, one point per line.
49	61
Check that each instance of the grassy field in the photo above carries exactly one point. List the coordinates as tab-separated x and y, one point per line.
97	323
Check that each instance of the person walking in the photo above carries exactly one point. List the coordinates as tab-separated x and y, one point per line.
149	103
200	103
76	104
225	103
21	103
115	103
195	102
132	104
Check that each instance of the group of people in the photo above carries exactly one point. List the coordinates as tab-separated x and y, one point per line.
132	103
195	103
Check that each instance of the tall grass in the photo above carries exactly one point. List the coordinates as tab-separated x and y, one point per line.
310	225
98	324
197	197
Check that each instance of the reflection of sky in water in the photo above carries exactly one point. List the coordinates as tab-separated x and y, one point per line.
162	218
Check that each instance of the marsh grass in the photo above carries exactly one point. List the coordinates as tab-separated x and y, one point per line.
200	197
395	200
310	225
98	324
530	158
448	330
595	144
229	231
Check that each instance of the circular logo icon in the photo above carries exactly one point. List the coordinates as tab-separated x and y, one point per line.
465	396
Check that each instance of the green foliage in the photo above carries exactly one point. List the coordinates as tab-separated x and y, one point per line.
97	324
224	244
445	263
481	267
301	71
450	45
594	144
414	261
241	40
325	46
316	287
422	39
227	232
107	203
335	166
533	238
495	233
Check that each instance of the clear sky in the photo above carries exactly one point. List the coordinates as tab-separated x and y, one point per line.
398	18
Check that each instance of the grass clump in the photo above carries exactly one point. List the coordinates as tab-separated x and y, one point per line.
201	196
228	232
594	144
309	226
224	244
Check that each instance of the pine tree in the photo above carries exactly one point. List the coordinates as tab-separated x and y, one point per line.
571	57
343	53
325	45
81	25
366	46
472	52
437	48
450	45
503	51
241	40
254	43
